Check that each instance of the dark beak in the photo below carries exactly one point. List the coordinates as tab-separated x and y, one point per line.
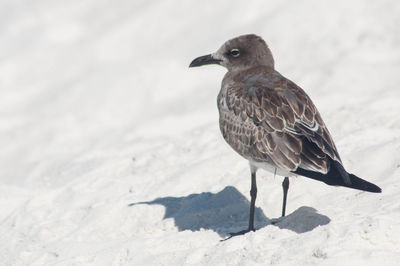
204	60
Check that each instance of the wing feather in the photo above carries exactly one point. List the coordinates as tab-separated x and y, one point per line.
281	123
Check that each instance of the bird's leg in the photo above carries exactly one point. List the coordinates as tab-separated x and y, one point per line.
285	186
253	194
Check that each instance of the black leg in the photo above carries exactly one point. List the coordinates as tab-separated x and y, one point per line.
285	186
253	194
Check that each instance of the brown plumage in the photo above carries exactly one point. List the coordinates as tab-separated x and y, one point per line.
271	121
267	118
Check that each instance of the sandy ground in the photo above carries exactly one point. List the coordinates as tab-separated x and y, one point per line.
111	152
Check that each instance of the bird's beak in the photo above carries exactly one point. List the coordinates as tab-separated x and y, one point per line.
204	60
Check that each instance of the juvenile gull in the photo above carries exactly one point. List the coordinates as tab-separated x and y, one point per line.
272	122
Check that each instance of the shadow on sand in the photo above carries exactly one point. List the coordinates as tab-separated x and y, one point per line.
228	211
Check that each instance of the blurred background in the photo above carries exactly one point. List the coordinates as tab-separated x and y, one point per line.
75	75
96	98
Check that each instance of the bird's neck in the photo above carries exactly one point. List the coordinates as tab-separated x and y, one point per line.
240	72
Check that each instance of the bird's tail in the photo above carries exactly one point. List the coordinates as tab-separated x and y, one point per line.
337	176
361	184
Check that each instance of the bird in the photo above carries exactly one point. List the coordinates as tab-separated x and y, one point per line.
272	122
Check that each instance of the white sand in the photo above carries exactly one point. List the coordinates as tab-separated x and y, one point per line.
98	110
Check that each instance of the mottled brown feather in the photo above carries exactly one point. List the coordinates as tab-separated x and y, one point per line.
280	124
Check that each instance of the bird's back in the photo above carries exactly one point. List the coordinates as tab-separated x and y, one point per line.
268	119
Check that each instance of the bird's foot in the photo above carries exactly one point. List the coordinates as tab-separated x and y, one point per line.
277	220
238	233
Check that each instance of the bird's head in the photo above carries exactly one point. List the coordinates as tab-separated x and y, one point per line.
238	54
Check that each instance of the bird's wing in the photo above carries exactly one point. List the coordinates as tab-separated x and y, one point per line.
285	126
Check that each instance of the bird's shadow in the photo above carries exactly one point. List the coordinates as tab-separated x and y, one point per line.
228	211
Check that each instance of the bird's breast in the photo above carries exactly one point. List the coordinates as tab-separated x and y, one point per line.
222	99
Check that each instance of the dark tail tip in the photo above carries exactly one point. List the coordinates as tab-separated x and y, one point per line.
361	184
337	169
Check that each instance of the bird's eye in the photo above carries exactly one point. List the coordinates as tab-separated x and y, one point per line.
235	52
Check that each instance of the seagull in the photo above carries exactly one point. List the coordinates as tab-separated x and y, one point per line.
272	122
